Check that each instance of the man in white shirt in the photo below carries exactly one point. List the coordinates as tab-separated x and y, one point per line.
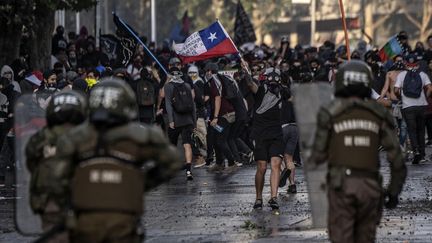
414	103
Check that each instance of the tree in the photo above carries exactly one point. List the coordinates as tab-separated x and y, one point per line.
371	24
263	13
422	23
37	17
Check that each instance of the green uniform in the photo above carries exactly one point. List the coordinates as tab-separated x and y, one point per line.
349	132
107	172
40	150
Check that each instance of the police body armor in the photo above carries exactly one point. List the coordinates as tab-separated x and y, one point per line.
106	183
353	149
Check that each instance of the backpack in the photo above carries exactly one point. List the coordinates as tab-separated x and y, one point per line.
229	88
412	85
145	93
182	100
199	93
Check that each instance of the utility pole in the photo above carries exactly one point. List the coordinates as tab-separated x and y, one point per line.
97	22
313	22
77	22
153	21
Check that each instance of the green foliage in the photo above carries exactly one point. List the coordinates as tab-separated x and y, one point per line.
202	13
75	5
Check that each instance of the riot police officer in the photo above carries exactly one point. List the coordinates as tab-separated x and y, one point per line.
349	131
64	111
109	163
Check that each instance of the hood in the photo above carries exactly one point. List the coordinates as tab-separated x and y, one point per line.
5	69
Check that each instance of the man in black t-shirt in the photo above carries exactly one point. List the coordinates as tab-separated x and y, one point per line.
267	133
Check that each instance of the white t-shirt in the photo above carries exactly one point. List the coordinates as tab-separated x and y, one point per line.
407	101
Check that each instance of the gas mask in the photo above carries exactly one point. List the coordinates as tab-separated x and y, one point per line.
273	81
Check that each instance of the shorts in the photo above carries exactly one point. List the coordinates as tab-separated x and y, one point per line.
266	149
290	138
184	131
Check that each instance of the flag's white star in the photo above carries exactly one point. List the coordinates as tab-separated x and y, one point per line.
212	36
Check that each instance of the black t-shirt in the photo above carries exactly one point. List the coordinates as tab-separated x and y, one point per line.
287	111
266	124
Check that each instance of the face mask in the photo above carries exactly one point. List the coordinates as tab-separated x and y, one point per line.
274	87
193	76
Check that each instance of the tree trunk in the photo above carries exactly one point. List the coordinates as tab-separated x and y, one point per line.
40	41
10	39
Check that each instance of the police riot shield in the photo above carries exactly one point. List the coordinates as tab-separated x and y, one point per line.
308	98
29	117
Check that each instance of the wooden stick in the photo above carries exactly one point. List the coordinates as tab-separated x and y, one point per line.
345	29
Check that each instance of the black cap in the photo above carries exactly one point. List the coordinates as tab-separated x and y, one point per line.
211	67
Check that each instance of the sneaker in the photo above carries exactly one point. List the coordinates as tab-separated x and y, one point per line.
422	160
231	168
238	164
258	204
292	188
273	203
216	168
189	176
200	162
284	176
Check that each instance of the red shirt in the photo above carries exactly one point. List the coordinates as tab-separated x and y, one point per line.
226	106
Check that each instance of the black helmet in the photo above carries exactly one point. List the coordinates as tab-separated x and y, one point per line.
353	78
112	102
66	107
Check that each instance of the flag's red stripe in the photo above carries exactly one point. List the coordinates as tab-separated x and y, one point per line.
225	47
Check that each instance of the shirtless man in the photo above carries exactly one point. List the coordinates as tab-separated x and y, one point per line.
388	91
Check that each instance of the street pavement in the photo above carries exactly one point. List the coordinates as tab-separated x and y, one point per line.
218	208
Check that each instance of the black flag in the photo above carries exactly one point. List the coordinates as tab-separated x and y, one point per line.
243	30
110	45
127	41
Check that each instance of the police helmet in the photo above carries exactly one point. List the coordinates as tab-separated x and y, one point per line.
353	78
112	102
66	107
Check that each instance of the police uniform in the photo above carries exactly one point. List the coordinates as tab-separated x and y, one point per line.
64	111
109	163
349	131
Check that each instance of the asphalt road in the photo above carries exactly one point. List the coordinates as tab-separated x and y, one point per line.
218	208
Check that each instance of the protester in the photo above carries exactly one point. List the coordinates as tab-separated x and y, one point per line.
409	86
181	114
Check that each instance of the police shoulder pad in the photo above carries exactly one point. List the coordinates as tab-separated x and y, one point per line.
380	111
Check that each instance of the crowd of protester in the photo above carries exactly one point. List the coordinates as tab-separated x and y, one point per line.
209	104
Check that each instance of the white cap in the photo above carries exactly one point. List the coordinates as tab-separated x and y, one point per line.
193	69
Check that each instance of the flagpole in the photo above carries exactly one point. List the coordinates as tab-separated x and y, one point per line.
229	37
345	29
143	45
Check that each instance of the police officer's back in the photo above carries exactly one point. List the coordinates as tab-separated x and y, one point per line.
65	110
109	163
349	132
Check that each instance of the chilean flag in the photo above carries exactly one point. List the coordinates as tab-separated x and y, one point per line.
211	42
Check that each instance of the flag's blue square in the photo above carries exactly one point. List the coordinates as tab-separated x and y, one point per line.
212	36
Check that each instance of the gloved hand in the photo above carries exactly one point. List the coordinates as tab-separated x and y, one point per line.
390	201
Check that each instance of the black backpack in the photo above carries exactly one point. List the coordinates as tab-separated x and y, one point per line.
412	85
145	93
199	93
229	88
182	100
